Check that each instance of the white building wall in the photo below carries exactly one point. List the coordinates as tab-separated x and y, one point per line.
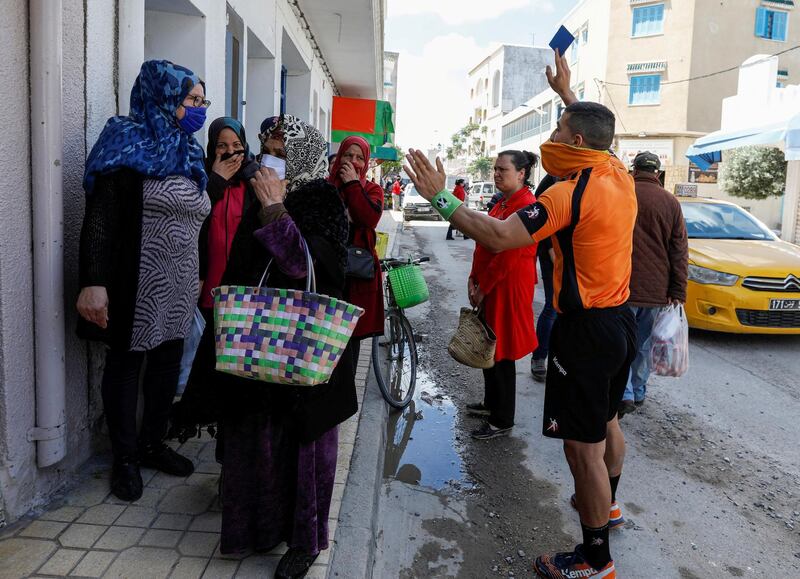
97	80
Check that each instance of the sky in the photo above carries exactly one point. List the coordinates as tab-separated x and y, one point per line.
439	41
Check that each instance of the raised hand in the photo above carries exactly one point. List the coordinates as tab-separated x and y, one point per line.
560	81
427	179
268	187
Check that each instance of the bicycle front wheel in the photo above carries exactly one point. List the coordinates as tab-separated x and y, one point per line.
394	359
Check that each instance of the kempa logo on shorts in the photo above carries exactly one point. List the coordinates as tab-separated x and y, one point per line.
559	366
553	425
577	573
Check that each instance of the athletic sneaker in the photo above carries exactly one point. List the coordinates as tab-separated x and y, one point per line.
487	431
639	403
571	566
477	409
626	407
539	370
615	518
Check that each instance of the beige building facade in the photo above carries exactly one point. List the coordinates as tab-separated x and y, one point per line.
672	62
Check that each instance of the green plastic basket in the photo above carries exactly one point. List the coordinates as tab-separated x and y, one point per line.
408	286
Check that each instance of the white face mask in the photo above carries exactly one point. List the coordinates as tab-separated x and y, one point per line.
275	163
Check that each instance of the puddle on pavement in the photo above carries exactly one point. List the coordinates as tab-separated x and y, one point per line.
421	448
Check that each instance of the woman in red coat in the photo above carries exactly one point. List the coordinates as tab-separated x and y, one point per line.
501	284
364	202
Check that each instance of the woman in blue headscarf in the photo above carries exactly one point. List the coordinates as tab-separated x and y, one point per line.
145	203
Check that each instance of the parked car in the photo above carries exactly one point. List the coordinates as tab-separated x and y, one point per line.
417	207
742	277
480	193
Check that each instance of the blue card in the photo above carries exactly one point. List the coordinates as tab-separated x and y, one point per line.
562	41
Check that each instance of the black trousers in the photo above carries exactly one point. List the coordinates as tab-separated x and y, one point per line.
121	393
500	394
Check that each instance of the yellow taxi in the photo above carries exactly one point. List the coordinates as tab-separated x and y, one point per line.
742	277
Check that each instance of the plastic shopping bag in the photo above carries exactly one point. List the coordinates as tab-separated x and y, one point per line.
190	345
669	342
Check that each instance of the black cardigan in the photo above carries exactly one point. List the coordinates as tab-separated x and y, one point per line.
109	253
213	396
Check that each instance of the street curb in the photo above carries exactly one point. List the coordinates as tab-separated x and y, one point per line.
355	543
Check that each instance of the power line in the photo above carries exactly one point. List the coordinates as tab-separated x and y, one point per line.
613	106
710	74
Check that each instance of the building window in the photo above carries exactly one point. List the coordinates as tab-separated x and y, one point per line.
573	50
533	123
585	35
496	90
645	90
771	24
648	20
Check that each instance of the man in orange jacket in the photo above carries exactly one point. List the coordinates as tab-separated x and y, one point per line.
590	216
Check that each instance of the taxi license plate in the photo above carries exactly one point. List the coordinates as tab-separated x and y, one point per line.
777	304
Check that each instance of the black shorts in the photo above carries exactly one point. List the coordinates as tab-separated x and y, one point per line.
590	356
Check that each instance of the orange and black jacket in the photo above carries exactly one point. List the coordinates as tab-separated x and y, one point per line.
591	216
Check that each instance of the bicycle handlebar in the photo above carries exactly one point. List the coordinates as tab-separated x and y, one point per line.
395	262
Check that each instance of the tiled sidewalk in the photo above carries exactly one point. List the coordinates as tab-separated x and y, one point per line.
172	531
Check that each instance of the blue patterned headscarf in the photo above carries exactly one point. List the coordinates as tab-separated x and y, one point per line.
149	139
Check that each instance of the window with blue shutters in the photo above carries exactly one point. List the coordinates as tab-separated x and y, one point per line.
771	24
648	20
645	90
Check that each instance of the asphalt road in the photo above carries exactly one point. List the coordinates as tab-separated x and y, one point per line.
711	486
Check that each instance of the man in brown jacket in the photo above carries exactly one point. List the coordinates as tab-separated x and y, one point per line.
660	264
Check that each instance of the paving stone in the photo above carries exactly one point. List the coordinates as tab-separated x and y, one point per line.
101	514
147	475
209	453
189	568
221	569
62	562
161	538
208	467
94	564
150	497
204	479
172	521
258	566
233	556
166	481
43	529
317	572
136	517
21	557
191	448
89	493
207	522
143	563
64	514
188	500
198	544
119	538
81	536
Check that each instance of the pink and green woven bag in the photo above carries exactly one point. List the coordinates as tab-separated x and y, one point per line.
281	336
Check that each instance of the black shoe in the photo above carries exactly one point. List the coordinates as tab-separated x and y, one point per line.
626	407
294	564
164	459
638	403
477	409
487	431
126	480
448	239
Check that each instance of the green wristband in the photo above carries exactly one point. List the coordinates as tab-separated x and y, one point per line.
446	203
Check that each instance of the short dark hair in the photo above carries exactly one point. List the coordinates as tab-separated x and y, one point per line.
594	122
522	160
460	181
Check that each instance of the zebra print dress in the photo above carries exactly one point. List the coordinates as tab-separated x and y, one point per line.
173	210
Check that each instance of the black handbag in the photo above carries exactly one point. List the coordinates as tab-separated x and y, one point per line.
360	263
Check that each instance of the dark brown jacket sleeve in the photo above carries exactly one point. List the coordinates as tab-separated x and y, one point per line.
678	256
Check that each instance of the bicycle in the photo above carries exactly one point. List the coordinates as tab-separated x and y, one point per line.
394	354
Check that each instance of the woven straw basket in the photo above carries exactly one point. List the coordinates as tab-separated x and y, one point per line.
474	343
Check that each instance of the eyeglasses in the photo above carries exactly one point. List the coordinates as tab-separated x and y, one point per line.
198	101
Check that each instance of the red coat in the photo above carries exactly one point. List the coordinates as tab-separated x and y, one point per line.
507	280
365	208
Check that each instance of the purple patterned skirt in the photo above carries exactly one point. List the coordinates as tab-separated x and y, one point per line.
275	489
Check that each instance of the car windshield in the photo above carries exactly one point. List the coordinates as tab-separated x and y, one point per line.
720	221
412	192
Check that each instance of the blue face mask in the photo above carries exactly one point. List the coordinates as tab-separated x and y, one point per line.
193	120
